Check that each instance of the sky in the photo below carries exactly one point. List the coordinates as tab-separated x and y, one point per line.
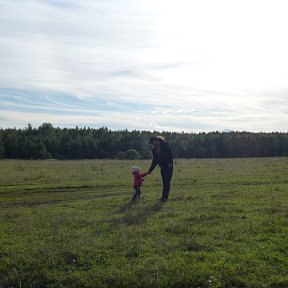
164	65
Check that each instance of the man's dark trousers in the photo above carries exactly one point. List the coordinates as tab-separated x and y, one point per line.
166	173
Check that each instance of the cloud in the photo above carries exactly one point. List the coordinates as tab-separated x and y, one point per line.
193	65
69	111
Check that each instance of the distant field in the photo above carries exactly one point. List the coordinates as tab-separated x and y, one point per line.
71	224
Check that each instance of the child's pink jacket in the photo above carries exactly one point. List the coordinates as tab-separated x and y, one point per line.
138	178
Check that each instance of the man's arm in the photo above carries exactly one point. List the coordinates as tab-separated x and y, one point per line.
153	164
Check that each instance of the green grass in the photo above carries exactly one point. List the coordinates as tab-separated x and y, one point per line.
71	224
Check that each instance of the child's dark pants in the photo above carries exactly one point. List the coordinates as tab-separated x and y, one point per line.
137	192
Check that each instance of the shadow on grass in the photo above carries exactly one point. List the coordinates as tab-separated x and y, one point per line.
125	207
140	216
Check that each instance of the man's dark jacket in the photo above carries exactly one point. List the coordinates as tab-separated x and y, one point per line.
165	157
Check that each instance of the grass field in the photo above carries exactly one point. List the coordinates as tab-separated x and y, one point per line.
71	224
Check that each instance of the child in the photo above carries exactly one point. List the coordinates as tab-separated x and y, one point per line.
138	179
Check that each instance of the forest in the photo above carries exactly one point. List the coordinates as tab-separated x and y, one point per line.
48	142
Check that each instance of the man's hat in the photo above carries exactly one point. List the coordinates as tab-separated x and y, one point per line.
153	138
158	138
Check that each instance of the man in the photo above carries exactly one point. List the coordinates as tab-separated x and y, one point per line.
162	155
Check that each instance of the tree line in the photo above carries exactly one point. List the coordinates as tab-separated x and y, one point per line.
47	142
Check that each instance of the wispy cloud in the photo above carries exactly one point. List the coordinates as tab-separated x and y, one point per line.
185	66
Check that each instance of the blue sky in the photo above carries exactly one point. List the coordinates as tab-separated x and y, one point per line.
183	65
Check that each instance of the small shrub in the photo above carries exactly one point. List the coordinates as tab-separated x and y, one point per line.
120	155
132	154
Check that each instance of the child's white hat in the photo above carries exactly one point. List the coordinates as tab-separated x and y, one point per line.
135	169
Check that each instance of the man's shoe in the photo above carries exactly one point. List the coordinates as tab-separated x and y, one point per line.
163	199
